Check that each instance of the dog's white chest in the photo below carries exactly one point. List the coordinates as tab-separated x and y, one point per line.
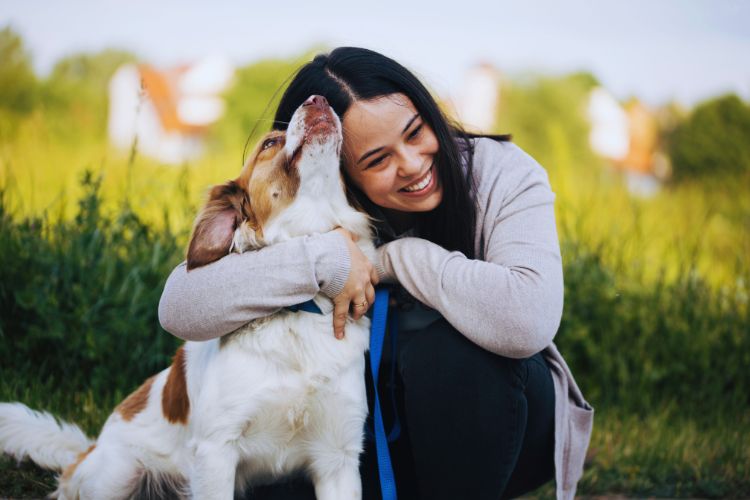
286	385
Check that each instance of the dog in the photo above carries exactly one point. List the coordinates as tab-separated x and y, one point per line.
279	396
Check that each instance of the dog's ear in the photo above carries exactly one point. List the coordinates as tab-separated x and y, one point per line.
227	207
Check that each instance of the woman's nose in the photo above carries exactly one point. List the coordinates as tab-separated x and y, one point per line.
411	163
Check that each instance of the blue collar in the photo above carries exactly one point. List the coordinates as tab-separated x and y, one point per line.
309	306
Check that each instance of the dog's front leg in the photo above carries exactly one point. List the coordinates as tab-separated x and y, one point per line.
214	468
344	484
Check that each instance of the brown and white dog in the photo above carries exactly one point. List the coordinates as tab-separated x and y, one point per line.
277	396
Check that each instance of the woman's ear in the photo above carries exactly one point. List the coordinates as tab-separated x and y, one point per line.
227	207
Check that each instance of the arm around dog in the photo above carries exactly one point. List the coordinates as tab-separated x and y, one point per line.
216	299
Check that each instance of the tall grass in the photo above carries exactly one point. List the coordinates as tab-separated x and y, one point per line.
78	297
40	174
669	343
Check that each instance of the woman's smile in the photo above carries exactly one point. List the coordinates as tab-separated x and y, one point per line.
421	186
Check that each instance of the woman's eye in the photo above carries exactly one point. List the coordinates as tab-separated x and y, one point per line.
414	133
377	161
269	142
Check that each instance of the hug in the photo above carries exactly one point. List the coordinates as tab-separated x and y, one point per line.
362	182
466	231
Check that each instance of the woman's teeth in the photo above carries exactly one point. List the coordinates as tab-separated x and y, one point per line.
419	185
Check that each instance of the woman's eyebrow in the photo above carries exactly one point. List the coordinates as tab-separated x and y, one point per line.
368	154
408	124
376	150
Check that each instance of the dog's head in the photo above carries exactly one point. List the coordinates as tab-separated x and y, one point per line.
248	212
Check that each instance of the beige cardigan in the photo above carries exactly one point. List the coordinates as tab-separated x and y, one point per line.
508	300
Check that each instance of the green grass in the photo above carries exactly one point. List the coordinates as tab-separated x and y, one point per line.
667	454
26	480
660	454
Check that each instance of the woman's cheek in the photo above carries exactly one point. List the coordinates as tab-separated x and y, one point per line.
382	186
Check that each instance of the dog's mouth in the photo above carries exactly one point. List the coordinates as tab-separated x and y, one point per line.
321	123
314	124
292	162
319	129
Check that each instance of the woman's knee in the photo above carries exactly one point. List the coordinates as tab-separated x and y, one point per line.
474	400
441	356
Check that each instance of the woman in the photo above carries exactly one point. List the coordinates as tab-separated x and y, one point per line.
488	407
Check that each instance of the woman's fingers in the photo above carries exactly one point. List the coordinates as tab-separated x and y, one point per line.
340	312
360	307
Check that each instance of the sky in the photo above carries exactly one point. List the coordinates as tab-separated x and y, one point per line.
657	50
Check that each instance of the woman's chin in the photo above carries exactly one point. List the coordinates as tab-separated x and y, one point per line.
420	202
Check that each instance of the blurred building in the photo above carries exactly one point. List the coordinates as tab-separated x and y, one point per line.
476	104
166	114
628	136
609	135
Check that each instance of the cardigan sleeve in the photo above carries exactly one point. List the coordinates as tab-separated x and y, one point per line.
213	300
508	301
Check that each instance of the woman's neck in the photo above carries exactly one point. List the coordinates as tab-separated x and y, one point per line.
398	220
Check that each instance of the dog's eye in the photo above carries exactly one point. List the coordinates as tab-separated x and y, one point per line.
271	141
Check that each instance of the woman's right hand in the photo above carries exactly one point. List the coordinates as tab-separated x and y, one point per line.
359	290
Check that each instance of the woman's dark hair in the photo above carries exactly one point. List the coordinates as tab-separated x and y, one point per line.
349	74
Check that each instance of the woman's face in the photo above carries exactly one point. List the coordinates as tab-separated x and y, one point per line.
389	154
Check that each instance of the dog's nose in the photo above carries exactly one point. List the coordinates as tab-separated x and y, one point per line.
316	100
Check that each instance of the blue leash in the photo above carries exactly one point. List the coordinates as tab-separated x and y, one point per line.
377	338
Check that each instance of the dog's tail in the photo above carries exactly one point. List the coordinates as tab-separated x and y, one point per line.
48	442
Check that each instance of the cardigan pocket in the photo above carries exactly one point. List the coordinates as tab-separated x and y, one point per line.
580	423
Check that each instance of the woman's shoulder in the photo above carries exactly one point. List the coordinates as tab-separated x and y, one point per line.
500	155
502	164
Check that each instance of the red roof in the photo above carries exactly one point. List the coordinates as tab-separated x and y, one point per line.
161	90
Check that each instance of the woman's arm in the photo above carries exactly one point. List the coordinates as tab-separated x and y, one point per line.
511	302
218	298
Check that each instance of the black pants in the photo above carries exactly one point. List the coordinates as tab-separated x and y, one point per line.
475	425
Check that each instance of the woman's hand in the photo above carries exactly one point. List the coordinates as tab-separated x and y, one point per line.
359	290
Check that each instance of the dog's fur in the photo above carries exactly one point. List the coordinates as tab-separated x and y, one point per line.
279	395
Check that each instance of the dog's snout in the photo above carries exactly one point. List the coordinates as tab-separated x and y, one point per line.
316	100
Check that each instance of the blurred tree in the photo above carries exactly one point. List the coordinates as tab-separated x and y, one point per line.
713	141
547	117
90	71
18	84
251	101
78	87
